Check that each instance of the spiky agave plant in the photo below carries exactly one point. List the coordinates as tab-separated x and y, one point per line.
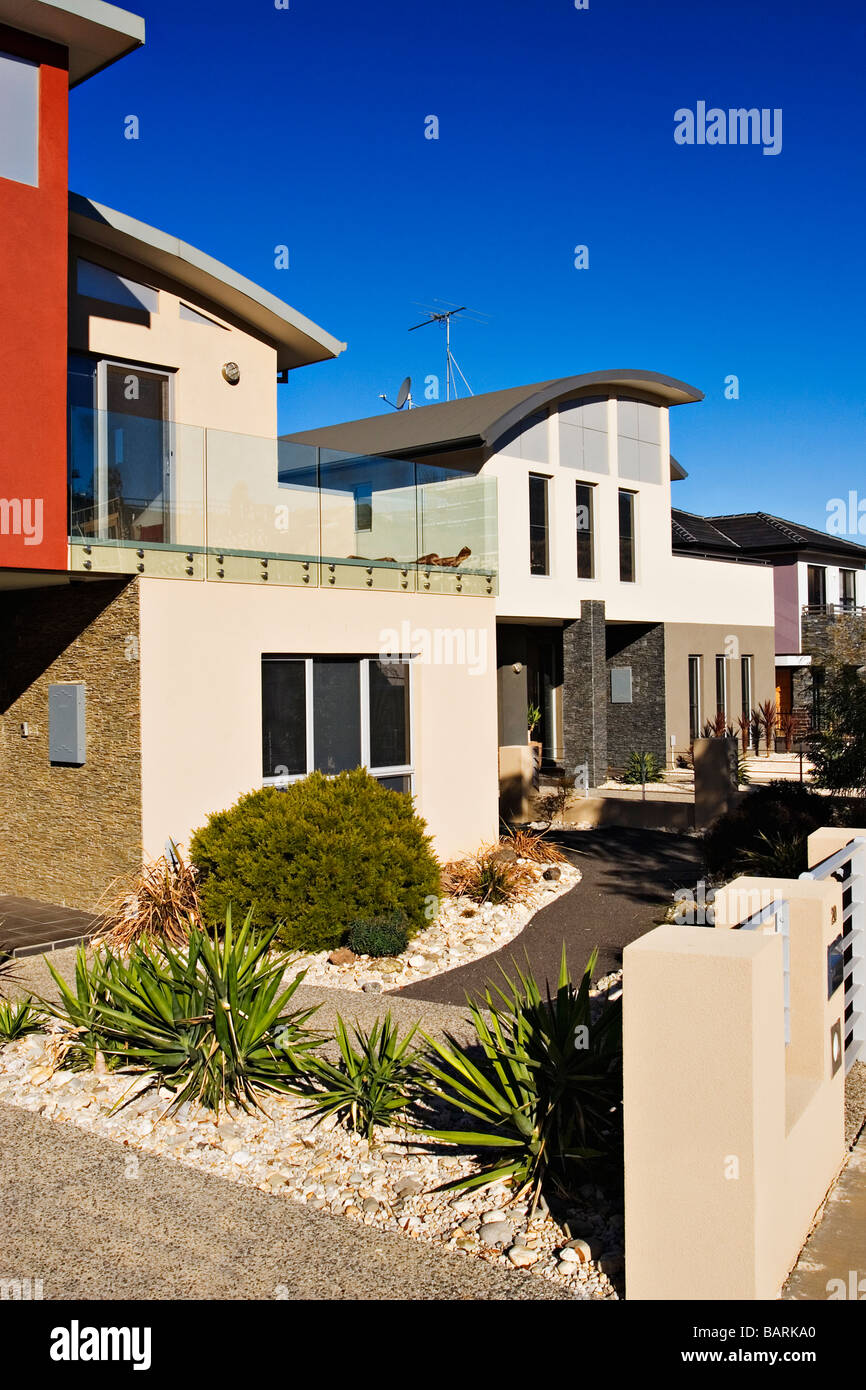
545	1085
370	1085
19	1017
208	1021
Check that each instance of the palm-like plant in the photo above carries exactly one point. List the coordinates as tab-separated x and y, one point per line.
370	1085
18	1017
544	1087
768	718
209	1021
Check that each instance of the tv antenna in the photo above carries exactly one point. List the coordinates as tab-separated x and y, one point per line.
404	395
443	316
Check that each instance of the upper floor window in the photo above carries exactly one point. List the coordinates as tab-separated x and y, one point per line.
539	549
848	589
817	586
694	697
627	538
19	120
585	524
639	441
98	282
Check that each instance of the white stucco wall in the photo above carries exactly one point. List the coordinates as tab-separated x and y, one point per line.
201	646
668	587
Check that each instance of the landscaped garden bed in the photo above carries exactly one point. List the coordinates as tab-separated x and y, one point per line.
386	1186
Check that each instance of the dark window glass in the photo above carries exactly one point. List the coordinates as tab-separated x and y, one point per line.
746	685
389	713
817	578
694	697
721	686
336	715
397	784
364	507
284	720
626	537
538	556
847	589
585	522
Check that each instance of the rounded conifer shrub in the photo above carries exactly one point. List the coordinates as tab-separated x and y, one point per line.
317	857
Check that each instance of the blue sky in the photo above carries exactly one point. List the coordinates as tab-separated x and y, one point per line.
306	127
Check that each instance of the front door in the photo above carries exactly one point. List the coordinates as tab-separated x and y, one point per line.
134	454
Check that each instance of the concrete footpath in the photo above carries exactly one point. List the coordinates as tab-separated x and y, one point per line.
832	1263
73	1218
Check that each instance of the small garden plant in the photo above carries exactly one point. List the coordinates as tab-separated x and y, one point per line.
642	767
18	1017
380	936
316	857
208	1021
542	1084
371	1084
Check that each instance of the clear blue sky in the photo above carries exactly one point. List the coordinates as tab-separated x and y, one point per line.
305	127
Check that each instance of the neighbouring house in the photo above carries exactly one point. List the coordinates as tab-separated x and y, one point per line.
619	640
819	583
190	608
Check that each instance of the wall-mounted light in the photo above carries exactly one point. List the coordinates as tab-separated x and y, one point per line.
517	668
232	373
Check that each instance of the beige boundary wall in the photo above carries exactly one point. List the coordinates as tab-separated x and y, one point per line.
201	718
732	1138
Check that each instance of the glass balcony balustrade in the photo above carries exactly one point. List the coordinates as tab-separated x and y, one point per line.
155	497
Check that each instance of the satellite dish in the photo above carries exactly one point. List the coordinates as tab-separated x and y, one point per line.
403	395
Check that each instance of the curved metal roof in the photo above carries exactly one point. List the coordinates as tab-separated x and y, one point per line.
476	421
296	338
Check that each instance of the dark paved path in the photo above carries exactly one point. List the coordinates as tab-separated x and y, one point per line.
627	876
74	1219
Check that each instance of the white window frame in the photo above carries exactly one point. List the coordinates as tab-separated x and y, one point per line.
403	770
698	669
747	669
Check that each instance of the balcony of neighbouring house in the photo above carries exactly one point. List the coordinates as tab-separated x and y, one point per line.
155	497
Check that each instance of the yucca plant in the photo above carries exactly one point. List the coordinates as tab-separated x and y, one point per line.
369	1086
80	1008
19	1017
209	1022
642	767
775	856
544	1081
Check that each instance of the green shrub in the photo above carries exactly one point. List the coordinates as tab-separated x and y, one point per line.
369	1086
380	936
544	1087
788	811
776	856
208	1021
312	859
642	767
18	1017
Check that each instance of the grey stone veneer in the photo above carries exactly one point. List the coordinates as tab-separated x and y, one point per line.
639	727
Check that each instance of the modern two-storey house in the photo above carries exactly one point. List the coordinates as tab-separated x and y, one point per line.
622	643
190	608
819	588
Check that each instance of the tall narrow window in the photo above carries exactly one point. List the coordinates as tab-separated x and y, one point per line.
585	523
694	697
848	590
817	586
746	685
539	557
721	686
626	537
364	507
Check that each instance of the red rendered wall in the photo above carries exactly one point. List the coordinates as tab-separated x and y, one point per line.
33	271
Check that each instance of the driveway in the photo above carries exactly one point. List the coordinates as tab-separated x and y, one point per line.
628	878
75	1218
